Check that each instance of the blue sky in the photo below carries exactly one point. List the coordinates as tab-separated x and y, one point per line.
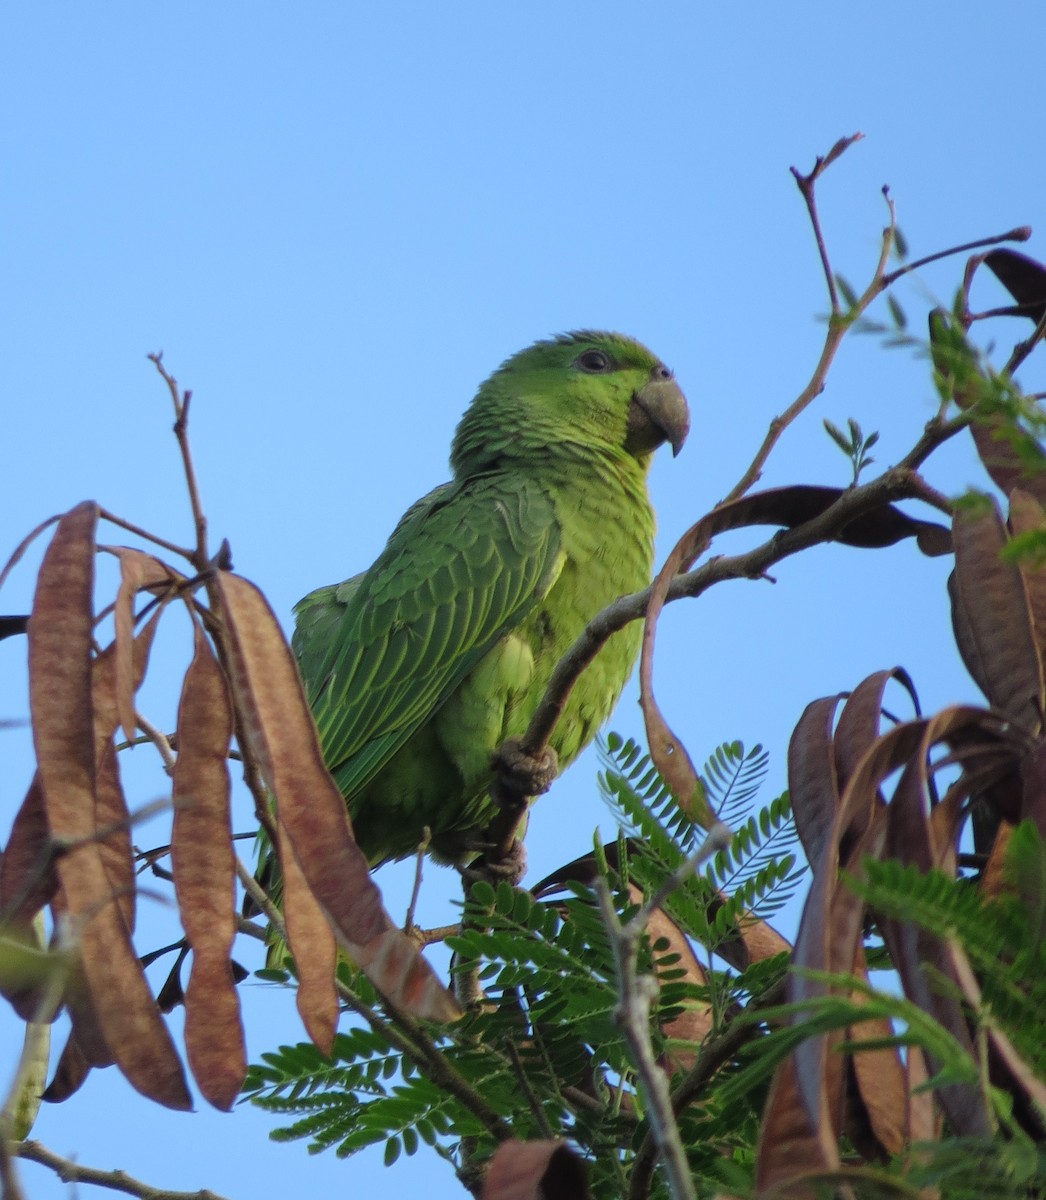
336	219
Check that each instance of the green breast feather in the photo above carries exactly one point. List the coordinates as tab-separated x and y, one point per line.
418	668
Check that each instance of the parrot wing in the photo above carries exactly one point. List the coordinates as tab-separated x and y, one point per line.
381	653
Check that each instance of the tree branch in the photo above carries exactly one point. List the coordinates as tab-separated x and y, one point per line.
181	400
636	996
898	483
714	1053
72	1172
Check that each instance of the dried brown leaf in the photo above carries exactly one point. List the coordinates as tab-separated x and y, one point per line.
111	809
12	626
693	1023
667	751
790	1147
204	867
797	504
868	1100
920	956
755	941
1033	786
1022	1074
993	879
922	1121
27	878
547	1170
752	941
992	617
813	787
70	1073
1027	516
829	940
313	945
60	674
87	1032
859	722
881	1082
63	726
280	733
1022	277
138	571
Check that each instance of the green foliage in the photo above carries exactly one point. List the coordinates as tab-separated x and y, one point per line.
754	876
855	447
545	1050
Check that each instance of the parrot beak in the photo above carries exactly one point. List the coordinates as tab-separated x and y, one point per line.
658	413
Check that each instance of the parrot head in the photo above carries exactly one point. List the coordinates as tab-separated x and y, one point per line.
591	389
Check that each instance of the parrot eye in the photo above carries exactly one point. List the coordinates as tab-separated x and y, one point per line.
662	372
595	362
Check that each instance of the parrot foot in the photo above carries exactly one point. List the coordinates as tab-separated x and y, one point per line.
496	865
518	776
523	775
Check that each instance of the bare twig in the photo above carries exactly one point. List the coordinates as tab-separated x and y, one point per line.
429	937
426	837
200	558
160	740
138	531
72	1172
528	1091
636	996
717	1050
24	544
1020	234
1023	349
900	482
806	185
838	327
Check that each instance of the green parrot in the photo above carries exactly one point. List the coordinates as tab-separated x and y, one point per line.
419	668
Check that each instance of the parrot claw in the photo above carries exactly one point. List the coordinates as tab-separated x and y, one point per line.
522	774
496	867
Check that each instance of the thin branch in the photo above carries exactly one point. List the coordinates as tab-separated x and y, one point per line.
24	544
429	937
1020	234
806	185
837	330
160	740
426	838
718	1050
531	1096
138	531
900	482
838	326
119	1181
636	996
1023	349
181	401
